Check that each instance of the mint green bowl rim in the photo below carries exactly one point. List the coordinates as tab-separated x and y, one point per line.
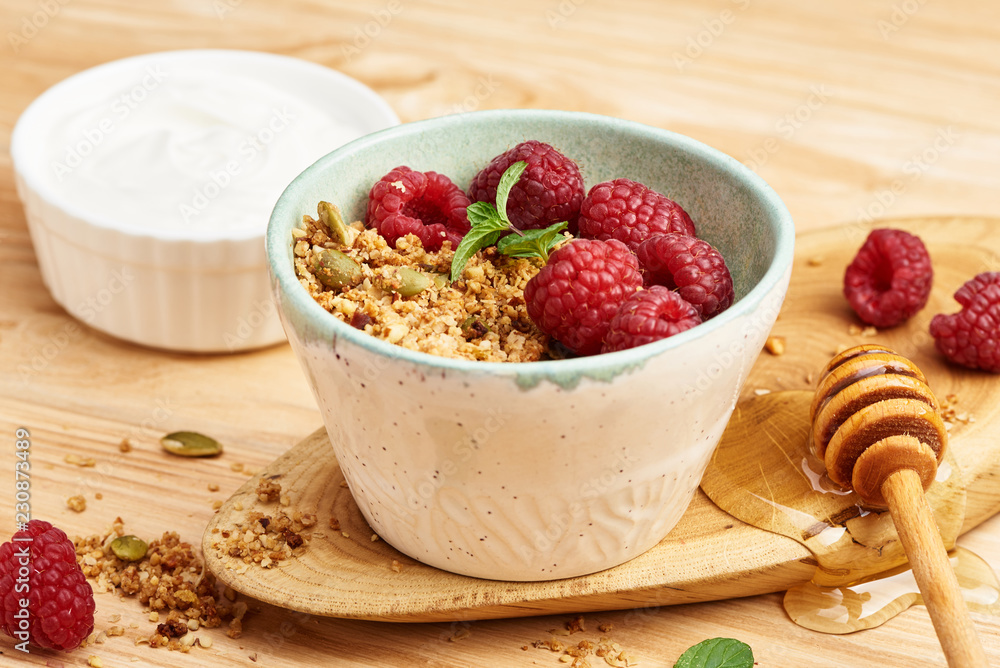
324	325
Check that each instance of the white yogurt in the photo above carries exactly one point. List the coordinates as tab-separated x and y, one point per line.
186	152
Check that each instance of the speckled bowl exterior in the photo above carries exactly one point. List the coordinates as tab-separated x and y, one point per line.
550	469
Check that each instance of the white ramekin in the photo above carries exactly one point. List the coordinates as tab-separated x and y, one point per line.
162	288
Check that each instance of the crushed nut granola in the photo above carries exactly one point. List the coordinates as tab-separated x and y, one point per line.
266	538
170	579
482	316
77	503
577	655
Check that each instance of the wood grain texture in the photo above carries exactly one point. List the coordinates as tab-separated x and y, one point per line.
854	112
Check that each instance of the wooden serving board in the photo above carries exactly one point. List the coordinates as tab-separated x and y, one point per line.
709	555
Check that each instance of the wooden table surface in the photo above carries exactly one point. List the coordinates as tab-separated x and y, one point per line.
853	111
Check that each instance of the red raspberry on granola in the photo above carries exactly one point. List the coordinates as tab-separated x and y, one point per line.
574	297
425	204
549	190
630	212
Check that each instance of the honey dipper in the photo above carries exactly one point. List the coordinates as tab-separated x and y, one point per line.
875	424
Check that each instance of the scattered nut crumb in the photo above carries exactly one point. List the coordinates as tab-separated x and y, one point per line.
775	345
94	661
343	483
212	487
576	655
815	261
236	467
460	634
951	416
77	503
265	539
374	537
83	462
268	490
171	581
98	496
396	566
216	504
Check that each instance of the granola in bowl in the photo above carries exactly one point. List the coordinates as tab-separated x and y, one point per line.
481	317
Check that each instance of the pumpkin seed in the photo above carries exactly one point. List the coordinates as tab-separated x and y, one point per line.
129	548
337	270
411	282
330	216
190	444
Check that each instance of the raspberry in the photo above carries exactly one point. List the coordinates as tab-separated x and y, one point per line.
889	279
575	295
692	267
971	337
549	191
630	212
39	564
426	204
649	315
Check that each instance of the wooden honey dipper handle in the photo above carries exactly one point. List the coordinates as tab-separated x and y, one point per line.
884	464
876	427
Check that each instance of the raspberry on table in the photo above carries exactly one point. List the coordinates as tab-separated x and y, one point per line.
426	204
689	265
649	315
630	212
890	278
574	297
971	337
39	564
549	191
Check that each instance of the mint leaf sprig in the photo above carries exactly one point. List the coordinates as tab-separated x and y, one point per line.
717	653
490	226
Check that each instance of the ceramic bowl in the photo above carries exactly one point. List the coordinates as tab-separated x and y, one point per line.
547	469
147	183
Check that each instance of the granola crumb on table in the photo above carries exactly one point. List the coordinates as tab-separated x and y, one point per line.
171	580
266	538
480	317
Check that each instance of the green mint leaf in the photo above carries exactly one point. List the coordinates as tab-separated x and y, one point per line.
507	181
532	243
717	653
481	213
477	238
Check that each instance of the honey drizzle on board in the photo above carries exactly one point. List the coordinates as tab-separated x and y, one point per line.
765	473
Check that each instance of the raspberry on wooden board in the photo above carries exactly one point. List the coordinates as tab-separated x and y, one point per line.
971	337
890	278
